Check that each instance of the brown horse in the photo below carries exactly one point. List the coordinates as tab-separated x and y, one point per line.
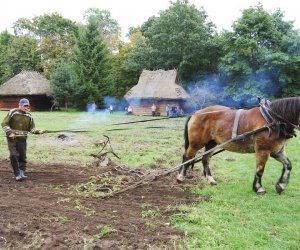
215	125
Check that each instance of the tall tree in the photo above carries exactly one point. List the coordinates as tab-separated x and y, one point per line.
291	69
23	54
125	66
55	34
17	54
258	52
180	37
6	70
90	61
108	27
64	84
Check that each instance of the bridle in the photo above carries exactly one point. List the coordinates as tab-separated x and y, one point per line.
269	114
279	117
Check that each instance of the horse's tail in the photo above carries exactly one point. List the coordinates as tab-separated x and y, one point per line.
186	134
183	168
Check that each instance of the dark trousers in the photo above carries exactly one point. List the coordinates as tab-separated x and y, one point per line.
17	150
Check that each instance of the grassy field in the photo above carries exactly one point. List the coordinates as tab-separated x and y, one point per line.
233	217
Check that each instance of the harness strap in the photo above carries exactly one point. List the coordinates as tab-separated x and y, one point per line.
264	110
236	123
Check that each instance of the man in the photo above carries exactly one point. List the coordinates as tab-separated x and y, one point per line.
168	109
17	123
111	109
153	109
129	110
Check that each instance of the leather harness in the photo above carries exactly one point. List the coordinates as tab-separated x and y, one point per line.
236	123
272	123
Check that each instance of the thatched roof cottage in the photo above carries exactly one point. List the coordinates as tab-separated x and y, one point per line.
27	84
158	87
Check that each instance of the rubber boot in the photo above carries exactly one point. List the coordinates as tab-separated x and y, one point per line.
19	177
22	173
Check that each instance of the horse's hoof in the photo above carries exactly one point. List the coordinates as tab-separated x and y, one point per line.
279	188
180	178
211	180
261	191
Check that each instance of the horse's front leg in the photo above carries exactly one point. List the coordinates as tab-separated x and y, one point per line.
287	168
261	159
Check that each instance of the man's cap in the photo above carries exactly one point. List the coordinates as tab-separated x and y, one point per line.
24	101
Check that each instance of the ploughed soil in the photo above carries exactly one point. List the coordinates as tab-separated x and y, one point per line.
62	207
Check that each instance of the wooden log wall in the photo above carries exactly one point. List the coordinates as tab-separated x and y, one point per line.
37	103
144	106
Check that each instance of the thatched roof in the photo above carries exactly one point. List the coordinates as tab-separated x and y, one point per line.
159	84
26	83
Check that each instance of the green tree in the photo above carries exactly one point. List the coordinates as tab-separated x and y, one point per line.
124	67
180	37
17	54
259	51
63	82
108	27
23	54
6	71
90	61
55	35
291	69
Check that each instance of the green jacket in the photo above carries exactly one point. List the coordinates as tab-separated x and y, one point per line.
19	122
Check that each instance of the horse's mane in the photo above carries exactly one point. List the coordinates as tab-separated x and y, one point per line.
287	108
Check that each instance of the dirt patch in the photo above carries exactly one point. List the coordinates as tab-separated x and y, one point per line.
52	209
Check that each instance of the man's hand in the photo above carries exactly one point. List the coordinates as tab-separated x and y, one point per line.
41	131
12	136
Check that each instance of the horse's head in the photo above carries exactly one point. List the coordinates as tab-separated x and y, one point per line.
287	110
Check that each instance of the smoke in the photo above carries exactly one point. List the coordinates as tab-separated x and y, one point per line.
118	105
92	117
204	91
91	107
245	92
214	90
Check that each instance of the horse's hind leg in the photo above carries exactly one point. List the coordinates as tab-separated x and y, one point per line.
205	161
189	154
287	167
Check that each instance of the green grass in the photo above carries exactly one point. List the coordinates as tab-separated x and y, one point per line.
137	146
237	218
234	217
